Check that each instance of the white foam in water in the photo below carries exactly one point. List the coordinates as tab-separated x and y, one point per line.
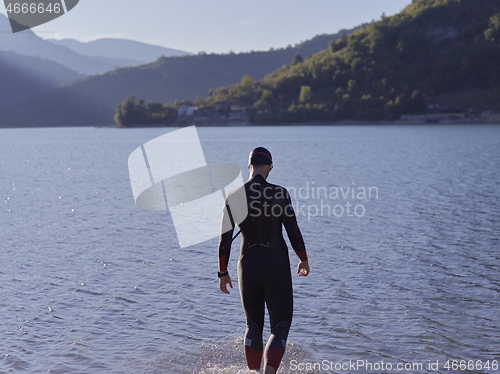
228	357
223	358
228	370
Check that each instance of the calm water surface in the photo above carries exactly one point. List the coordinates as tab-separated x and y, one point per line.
405	270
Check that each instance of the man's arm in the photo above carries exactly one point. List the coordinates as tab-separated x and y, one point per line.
295	236
225	249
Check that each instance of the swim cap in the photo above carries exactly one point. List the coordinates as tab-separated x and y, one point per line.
260	156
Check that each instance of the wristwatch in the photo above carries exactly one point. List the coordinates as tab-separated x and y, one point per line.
220	275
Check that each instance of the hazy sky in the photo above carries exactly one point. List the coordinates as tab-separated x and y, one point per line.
214	25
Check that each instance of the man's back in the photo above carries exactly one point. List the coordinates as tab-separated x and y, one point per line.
269	207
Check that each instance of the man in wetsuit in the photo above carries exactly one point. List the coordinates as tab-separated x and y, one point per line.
264	274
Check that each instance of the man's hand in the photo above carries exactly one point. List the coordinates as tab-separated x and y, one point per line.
303	268
223	281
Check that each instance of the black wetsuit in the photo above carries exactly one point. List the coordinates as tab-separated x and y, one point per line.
264	275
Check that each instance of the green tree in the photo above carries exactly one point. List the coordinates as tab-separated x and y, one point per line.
130	113
153	108
350	85
266	101
402	105
305	94
418	102
389	111
337	45
199	101
247	81
493	33
297	59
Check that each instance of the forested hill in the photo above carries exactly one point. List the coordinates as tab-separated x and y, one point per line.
386	69
92	101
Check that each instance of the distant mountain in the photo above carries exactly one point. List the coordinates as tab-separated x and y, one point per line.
92	101
117	62
119	49
23	76
29	44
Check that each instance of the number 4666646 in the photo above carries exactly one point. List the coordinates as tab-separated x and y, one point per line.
33	8
471	365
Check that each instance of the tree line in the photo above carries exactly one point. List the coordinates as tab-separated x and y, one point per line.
389	68
132	113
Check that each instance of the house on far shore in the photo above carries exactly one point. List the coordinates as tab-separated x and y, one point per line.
490	116
186	109
232	106
240	107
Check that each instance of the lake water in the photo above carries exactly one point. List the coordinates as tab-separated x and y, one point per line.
405	271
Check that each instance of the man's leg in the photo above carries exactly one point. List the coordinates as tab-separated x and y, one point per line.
252	299
253	344
279	300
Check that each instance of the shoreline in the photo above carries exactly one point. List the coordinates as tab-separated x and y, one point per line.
471	121
284	124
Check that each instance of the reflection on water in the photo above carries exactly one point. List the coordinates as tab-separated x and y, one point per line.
90	283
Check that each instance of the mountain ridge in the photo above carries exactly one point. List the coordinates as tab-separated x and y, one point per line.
28	43
92	101
121	55
116	48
